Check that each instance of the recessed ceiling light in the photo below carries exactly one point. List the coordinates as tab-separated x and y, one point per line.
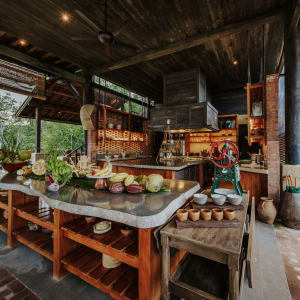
22	42
65	17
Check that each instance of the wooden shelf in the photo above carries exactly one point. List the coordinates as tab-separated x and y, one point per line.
3	222
36	240
37	213
4	202
113	243
120	282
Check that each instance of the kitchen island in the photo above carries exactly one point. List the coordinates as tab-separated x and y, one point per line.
69	242
184	169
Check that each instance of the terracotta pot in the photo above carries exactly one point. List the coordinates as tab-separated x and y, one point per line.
182	214
205	214
289	209
194	214
217	214
266	210
229	214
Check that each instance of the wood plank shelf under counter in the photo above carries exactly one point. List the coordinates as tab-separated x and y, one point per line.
113	243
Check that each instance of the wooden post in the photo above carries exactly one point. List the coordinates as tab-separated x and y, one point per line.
37	130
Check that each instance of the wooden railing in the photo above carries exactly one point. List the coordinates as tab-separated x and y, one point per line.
76	152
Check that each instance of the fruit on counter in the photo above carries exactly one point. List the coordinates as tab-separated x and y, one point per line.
117	187
105	171
24	154
27	171
60	171
141	179
39	167
20	172
119	177
129	180
83	167
154	183
2	154
134	189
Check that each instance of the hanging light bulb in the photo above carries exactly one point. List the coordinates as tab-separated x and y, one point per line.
22	42
65	17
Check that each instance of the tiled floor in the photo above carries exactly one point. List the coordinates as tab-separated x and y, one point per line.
13	289
289	245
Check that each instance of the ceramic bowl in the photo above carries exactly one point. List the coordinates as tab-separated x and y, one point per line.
200	198
218	199
224	192
235	199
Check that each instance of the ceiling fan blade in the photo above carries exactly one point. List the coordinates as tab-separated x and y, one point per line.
118	31
123	45
83	39
87	20
107	50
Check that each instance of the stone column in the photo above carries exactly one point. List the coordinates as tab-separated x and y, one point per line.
292	95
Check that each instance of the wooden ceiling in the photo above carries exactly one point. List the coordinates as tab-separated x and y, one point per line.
151	25
60	106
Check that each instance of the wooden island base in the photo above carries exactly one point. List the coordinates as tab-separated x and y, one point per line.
75	248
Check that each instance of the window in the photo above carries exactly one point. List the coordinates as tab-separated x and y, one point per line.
132	103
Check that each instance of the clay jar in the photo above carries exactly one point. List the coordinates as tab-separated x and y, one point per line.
217	214
266	210
182	214
205	214
229	214
194	214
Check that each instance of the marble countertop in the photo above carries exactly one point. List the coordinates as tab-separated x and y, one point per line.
152	163
101	158
259	170
144	210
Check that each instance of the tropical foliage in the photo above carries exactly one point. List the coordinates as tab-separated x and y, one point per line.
54	135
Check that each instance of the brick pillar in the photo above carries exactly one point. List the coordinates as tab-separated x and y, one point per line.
92	145
272	136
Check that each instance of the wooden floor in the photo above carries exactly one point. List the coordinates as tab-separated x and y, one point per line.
270	280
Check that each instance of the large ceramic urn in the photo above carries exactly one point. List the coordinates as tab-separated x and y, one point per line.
266	210
289	209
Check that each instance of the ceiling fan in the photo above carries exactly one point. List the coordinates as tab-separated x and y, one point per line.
106	38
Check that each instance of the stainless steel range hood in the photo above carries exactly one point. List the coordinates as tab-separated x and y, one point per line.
184	118
186	105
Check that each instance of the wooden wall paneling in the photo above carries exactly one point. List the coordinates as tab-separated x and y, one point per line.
61	245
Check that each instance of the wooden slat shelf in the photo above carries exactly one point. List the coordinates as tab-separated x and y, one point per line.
3	202
36	240
113	243
37	213
3	222
120	282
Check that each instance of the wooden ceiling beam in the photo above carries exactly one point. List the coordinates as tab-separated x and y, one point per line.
49	92
235	28
31	61
56	108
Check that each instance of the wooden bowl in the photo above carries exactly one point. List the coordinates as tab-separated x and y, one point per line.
11	167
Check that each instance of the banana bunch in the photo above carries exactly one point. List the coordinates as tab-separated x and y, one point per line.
119	177
60	171
105	171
